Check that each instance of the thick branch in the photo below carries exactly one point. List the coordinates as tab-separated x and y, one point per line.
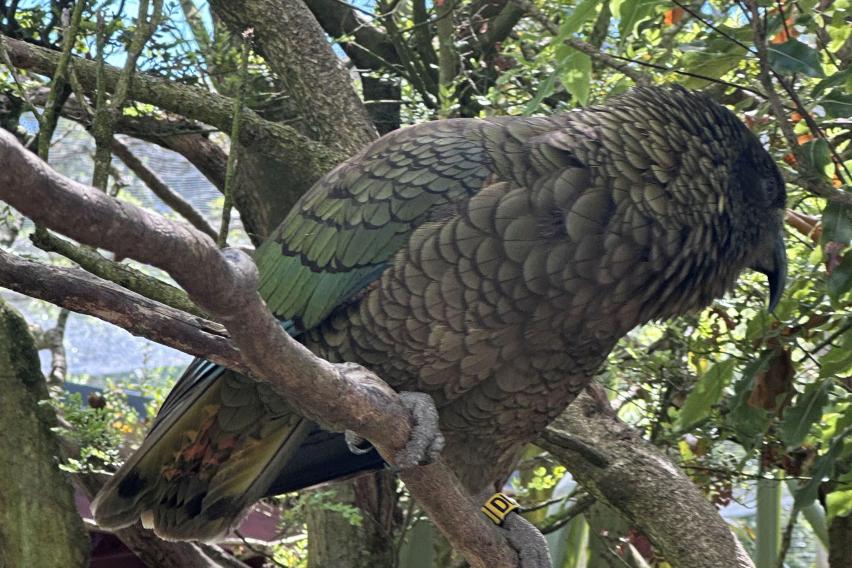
295	47
501	25
83	293
628	473
224	283
39	525
191	102
372	49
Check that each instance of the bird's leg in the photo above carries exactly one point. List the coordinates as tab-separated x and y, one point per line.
426	441
522	535
527	541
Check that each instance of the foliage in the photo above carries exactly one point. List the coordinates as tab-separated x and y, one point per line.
98	428
732	393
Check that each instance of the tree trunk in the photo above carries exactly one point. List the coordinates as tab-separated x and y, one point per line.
39	524
614	463
840	542
334	540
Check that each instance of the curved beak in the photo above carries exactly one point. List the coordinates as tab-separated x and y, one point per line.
773	264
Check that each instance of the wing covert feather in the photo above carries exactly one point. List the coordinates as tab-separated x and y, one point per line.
342	233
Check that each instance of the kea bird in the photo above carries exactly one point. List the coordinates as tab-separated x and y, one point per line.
489	263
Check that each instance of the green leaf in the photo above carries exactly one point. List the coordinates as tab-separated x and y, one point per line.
838	361
840	280
842	78
807	410
545	89
793	56
748	422
821	469
634	12
712	65
575	20
837	223
817	153
838	503
837	104
706	393
577	75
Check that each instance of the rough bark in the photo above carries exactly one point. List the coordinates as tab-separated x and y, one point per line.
330	534
224	283
39	524
295	47
83	293
840	542
304	157
372	49
614	463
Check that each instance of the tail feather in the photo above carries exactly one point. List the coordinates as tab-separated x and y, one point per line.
207	459
323	456
220	443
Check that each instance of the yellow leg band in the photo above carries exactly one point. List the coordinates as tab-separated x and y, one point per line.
498	507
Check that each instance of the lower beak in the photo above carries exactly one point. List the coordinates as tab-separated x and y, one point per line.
774	266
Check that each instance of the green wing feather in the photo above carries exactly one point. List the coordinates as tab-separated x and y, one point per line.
343	232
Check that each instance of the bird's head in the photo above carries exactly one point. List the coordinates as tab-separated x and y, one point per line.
723	201
756	178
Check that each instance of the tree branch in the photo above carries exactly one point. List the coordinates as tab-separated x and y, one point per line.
191	102
83	293
811	180
36	500
296	49
371	49
176	133
159	188
224	283
132	279
632	475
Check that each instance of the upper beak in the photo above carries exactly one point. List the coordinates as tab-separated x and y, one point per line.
774	266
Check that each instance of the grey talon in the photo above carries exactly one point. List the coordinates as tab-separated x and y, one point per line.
356	444
426	441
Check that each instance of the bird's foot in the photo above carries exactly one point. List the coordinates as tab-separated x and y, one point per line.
527	541
426	441
521	534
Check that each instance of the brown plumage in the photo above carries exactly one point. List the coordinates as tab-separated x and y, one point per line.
492	264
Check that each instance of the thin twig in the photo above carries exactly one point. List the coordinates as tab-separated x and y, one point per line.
579	45
92	261
559	520
49	117
809	119
258	550
713	27
812	180
231	168
787	538
159	188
